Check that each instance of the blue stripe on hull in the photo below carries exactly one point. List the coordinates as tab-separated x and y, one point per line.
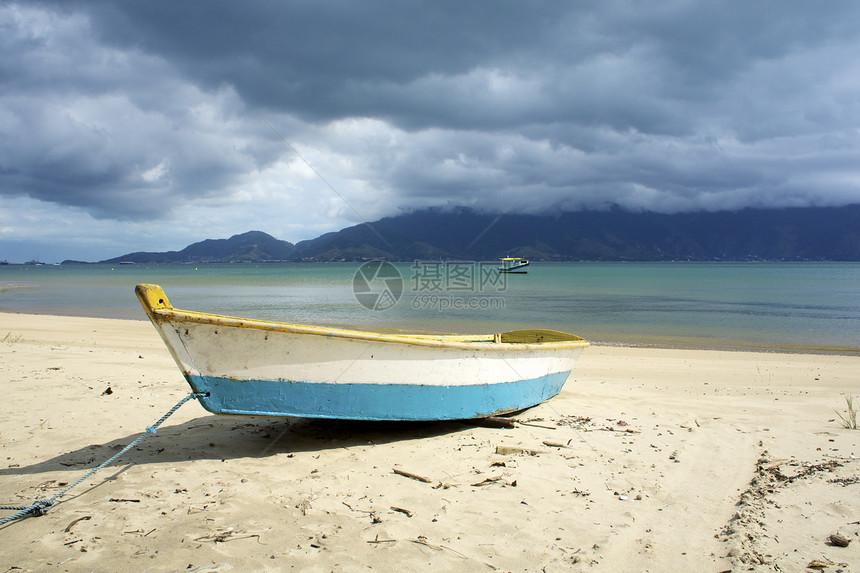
373	401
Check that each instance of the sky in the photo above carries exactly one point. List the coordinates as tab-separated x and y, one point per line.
151	125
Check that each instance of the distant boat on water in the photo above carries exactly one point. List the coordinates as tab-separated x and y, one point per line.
4	262
516	265
34	262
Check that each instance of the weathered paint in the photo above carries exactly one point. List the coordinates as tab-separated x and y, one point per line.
268	368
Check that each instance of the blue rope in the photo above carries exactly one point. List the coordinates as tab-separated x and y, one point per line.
40	506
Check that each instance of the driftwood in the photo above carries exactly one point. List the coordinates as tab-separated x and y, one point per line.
505	450
69	526
492	480
140	532
227	535
555	444
410	475
494	422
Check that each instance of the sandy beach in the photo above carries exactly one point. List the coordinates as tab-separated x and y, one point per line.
649	460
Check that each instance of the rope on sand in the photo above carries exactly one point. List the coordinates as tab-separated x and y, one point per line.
41	506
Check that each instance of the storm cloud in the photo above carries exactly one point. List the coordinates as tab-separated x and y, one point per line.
150	125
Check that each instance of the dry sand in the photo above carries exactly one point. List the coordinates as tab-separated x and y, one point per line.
649	460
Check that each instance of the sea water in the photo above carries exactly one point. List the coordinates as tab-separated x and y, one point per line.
762	305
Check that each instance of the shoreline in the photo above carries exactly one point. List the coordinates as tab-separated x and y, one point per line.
665	342
648	460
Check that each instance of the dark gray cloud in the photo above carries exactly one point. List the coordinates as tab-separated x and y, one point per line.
155	119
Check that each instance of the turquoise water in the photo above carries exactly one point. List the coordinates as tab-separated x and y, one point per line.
748	305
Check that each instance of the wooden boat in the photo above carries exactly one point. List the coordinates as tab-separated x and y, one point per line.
257	367
514	265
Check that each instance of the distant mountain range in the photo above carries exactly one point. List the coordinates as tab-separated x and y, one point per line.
251	247
794	234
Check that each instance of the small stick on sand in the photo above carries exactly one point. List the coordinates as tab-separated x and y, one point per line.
536	425
554	444
69	526
412	476
495	422
506	450
423	542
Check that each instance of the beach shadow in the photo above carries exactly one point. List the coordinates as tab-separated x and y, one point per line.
231	437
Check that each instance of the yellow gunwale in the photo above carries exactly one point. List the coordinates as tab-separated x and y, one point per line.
159	310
